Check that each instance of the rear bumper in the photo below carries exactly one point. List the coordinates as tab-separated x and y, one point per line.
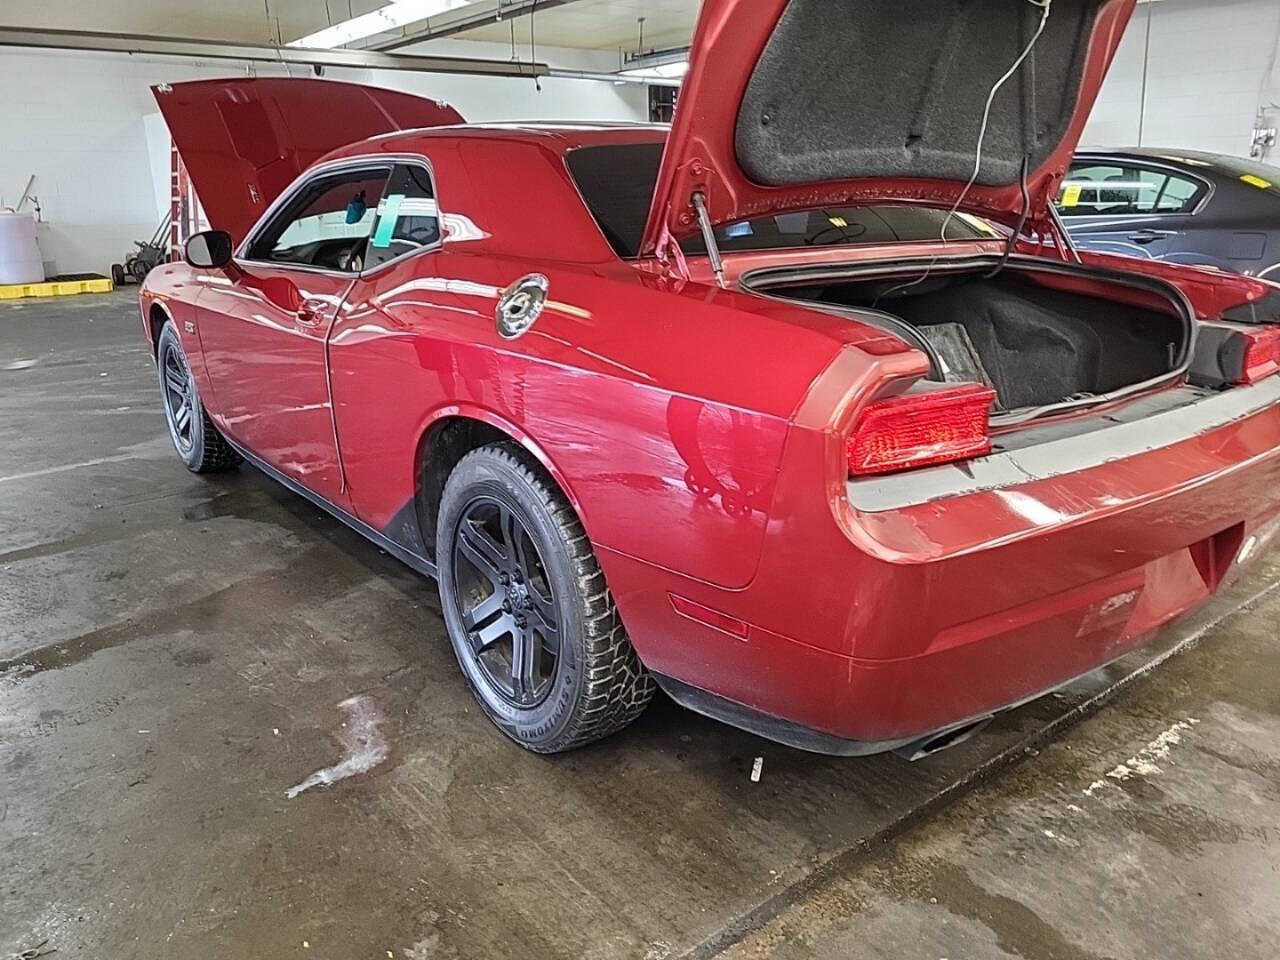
884	626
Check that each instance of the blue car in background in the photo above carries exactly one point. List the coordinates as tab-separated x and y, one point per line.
1183	206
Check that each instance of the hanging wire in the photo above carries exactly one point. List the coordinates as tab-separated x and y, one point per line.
533	50
1044	6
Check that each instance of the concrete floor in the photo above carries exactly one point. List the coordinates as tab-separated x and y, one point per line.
173	651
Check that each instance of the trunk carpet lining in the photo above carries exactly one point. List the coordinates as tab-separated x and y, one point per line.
1036	345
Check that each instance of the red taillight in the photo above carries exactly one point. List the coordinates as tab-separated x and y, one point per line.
918	429
1261	355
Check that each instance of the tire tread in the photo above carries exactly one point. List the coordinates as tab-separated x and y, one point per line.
616	686
215	454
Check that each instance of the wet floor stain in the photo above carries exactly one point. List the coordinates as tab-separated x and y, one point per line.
1181	828
364	747
1018	929
255	592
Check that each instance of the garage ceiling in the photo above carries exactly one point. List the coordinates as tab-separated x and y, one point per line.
605	24
585	24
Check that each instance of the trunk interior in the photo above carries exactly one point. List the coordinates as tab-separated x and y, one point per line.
1035	344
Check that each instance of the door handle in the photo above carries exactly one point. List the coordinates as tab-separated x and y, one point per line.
312	313
1146	236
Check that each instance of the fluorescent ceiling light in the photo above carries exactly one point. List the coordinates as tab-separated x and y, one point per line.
662	71
398	13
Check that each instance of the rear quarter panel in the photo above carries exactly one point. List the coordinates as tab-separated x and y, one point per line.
662	412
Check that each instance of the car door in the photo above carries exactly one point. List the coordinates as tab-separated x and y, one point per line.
374	348
264	325
1117	205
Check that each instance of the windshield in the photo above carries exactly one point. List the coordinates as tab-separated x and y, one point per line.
617	182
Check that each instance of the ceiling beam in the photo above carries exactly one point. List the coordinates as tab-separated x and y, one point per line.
469	21
221	50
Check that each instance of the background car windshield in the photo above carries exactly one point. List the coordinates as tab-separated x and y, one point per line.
617	182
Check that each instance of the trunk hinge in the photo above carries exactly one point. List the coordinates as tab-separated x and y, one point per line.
708	236
1062	239
671	257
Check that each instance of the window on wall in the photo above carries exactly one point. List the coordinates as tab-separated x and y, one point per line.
407	216
1122	189
326	224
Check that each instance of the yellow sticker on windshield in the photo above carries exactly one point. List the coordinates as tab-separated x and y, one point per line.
1258	182
1071	195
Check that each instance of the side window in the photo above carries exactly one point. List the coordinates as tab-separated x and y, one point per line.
327	224
1180	195
407	217
1097	189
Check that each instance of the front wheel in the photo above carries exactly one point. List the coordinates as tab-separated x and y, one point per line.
195	438
531	619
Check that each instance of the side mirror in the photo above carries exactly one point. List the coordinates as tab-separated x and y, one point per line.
209	249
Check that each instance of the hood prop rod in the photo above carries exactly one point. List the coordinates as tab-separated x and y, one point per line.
709	237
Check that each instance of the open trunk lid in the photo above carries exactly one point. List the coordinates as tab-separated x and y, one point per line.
797	104
244	140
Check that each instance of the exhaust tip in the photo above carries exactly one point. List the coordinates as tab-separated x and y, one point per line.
940	740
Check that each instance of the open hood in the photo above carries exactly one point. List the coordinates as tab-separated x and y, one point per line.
244	140
797	104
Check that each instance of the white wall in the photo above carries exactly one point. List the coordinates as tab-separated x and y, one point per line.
77	121
1210	65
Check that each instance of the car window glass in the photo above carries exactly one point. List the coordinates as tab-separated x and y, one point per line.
827	226
617	182
1124	189
407	217
1179	195
326	224
1109	189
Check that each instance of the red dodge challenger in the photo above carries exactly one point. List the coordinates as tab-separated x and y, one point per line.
805	410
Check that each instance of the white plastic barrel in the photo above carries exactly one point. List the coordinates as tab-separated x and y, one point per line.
19	252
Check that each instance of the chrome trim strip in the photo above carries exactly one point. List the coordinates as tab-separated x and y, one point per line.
1057	458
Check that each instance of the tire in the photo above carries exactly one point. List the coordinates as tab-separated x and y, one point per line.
592	683
139	269
195	439
117	275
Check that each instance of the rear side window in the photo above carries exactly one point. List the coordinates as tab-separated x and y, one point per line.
326	223
407	217
1125	189
617	183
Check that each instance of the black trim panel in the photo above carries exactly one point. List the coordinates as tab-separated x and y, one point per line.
381	540
771	727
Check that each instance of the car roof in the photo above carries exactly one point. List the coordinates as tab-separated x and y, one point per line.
1169	154
560	136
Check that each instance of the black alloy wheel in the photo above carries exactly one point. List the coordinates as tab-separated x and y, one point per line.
179	397
195	438
505	601
530	617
